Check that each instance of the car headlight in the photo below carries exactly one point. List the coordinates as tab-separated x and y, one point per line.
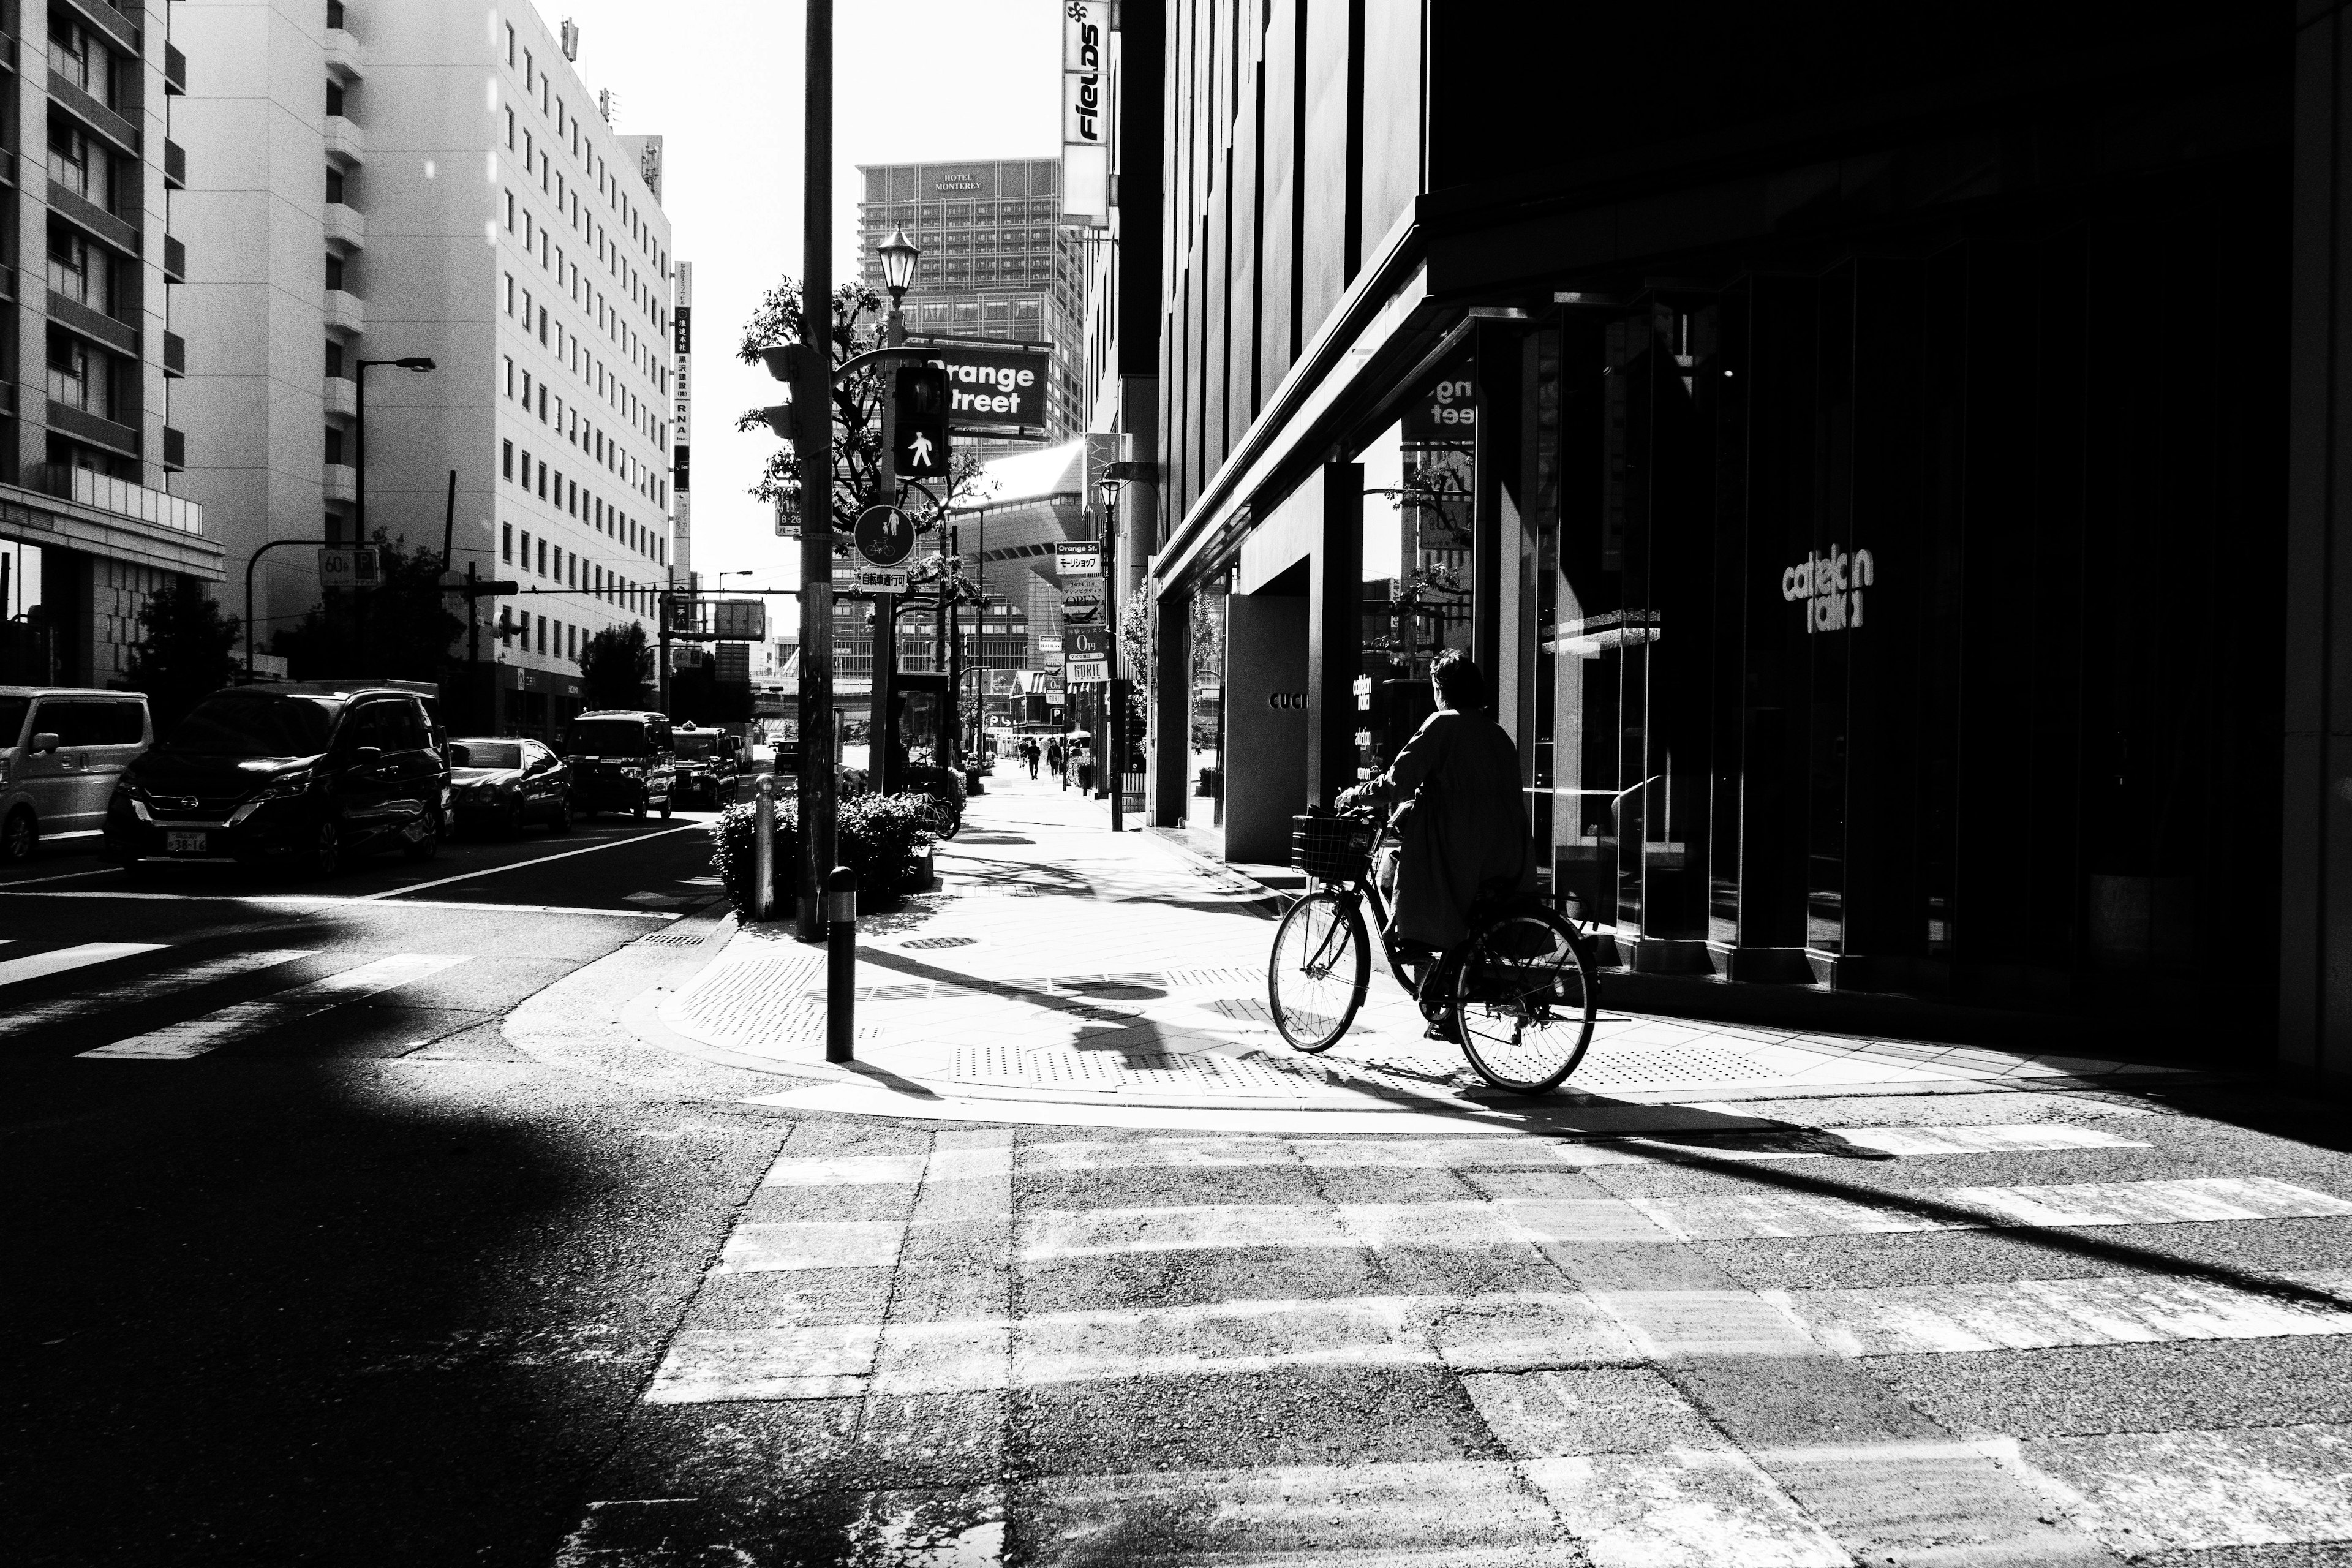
632	773
512	786
288	787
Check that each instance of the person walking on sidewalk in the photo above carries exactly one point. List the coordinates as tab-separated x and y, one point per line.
1054	761
1462	829
1086	768
1029	754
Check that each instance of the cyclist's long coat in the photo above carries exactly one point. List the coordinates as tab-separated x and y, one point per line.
1468	828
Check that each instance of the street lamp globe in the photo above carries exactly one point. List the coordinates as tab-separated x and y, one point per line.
899	255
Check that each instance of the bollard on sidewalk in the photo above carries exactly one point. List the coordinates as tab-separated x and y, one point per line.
763	846
841	964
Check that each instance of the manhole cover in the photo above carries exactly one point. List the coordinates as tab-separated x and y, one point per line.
937	942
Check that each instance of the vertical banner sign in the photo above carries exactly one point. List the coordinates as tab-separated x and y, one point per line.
682	412
1086	112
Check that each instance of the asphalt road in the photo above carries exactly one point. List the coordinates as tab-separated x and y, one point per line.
358	1282
310	1265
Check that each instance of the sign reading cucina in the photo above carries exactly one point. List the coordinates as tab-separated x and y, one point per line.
1830	584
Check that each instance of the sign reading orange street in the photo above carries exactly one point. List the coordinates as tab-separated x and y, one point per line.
992	386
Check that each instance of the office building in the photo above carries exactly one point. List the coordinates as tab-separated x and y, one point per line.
90	435
996	261
361	197
1896	551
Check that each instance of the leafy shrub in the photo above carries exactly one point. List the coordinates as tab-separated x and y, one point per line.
936	787
881	838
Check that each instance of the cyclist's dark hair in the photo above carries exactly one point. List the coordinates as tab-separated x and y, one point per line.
1458	682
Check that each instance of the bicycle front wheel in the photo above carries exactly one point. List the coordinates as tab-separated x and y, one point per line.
1525	1001
1322	961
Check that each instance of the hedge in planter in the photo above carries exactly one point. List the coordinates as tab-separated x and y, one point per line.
881	838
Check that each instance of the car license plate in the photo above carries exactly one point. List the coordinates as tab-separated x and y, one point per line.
186	843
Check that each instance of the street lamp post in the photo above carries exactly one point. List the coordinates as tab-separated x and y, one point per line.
898	256
419	363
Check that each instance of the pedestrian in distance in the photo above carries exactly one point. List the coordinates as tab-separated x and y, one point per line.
1032	754
1086	768
1054	761
1462	831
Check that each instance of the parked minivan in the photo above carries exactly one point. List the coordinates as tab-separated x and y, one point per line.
283	774
61	750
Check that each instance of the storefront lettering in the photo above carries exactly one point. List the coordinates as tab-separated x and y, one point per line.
1831	585
1287	701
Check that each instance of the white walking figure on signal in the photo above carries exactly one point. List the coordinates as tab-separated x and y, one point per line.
921	448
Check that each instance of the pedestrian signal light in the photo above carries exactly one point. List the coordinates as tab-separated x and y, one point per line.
919	445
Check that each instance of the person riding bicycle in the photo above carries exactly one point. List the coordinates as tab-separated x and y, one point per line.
1461	827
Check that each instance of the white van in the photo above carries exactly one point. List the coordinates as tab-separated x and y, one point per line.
61	749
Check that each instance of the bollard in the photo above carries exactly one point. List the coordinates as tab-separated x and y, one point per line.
763	846
840	965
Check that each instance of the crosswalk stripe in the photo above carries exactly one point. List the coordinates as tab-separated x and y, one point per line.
758	1249
2042	1314
147	989
2142	1492
1748	1216
847	1171
195	1036
58	961
1076	1157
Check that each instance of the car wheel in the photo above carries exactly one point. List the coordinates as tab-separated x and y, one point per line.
429	846
324	857
511	822
640	813
562	821
17	837
666	805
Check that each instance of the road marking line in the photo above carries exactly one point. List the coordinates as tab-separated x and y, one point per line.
58	961
706	1366
1750	1217
67	877
2164	1491
543	860
196	1037
846	1171
330	900
171	980
2042	1314
1051	1234
1685	1508
761	1248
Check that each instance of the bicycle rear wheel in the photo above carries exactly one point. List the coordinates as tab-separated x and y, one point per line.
1321	963
1524	999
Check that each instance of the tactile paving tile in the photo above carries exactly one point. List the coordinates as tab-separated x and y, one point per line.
1237	978
991	1064
1699	1064
931	941
741	998
1249	1009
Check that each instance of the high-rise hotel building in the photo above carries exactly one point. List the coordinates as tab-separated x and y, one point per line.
385	179
996	261
90	152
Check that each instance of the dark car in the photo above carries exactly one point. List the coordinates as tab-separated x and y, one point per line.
270	775
706	770
504	785
621	760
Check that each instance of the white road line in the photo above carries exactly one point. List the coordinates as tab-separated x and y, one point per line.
2164	1491
1074	1158
846	1171
185	978
541	860
67	877
1687	1507
758	1248
1470	1226
58	961
330	900
2041	1314
179	1042
1755	1215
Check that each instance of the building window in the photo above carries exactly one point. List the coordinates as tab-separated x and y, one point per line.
511	291
509	212
77	375
510	378
335	15
334	97
542	633
506	464
80	164
335	360
542	403
511	43
334	184
542	323
506	529
79	269
510	128
78	57
334	270
542	481
334	445
543	555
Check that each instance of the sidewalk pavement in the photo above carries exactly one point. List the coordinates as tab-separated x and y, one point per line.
1065	974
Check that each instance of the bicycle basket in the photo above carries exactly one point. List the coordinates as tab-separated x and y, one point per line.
1331	849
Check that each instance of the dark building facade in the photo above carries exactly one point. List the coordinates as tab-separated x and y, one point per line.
1856	445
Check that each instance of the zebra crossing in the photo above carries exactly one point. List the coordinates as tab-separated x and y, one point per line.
1497	1350
82	1015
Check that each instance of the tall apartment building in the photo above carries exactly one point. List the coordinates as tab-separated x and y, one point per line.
996	261
87	442
384	179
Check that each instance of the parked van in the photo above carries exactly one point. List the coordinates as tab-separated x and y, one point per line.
61	750
621	760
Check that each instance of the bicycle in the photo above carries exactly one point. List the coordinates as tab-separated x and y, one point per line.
1519	988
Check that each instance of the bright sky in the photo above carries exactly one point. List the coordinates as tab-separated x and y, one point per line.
720	81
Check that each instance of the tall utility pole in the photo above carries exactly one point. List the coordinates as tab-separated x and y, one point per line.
814	392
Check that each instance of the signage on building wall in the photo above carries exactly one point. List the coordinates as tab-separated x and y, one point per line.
1085	112
1088	642
960	180
734	663
1089	671
348	569
681	474
649	164
1078	558
1049	644
1829	586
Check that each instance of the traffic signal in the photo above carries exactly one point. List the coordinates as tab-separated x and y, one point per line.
918	448
508	628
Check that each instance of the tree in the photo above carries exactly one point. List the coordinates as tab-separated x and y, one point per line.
617	666
856	424
183	651
401	629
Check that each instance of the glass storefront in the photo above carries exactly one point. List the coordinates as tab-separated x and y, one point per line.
1205	719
